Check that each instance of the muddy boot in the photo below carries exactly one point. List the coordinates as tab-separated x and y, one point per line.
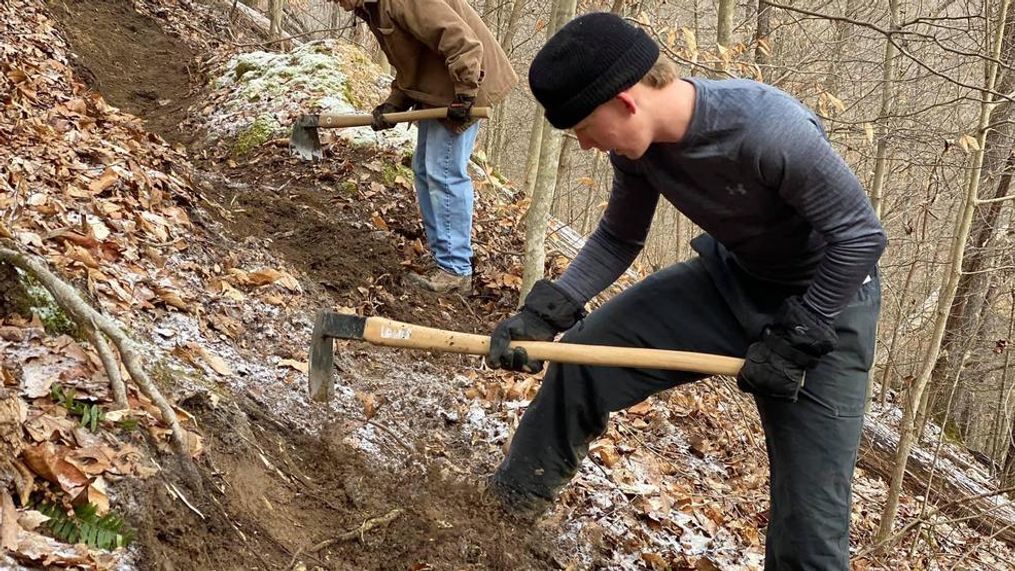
517	505
441	281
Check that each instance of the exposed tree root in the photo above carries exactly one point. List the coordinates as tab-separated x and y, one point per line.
96	325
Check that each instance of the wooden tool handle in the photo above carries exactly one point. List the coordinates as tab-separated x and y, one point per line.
360	120
390	333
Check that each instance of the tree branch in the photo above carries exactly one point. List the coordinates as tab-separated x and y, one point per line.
71	302
890	36
293	37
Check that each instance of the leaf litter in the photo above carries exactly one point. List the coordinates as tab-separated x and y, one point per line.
221	261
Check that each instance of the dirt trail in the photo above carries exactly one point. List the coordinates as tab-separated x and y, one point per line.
269	493
128	59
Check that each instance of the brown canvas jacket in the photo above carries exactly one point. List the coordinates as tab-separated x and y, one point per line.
438	48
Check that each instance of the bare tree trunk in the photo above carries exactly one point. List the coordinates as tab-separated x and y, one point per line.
275	11
333	19
962	497
488	132
496	141
889	73
886	373
724	22
843	38
912	411
508	38
535	143
590	196
563	165
889	366
1008	472
538	214
999	164
292	23
762	35
494	137
1003	430
539	128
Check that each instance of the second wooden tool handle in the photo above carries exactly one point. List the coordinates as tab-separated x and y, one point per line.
390	333
360	120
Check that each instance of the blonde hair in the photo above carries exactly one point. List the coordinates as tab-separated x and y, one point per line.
663	73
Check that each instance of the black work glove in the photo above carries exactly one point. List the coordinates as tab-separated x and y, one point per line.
776	366
460	109
379	123
547	311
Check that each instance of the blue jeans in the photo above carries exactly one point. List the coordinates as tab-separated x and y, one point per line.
444	192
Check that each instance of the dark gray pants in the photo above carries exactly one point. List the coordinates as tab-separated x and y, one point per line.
710	306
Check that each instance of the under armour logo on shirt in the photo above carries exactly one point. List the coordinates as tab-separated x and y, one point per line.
736	190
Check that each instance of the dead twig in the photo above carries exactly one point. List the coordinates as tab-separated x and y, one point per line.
467	306
359	531
390	433
172	489
293	37
349	535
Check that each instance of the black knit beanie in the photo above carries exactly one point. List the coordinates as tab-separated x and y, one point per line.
588	62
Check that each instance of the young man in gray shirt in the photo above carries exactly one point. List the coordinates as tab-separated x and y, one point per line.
785	274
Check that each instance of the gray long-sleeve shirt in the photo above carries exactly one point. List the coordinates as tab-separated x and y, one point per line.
755	171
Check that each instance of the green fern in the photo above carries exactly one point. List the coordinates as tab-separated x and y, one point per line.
90	413
85	526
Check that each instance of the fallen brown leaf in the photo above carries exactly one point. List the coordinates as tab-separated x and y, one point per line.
191	351
298	365
92	460
96	495
195	444
47	460
641	408
36	547
43	427
654	560
104	181
8	522
370	403
31	519
264	276
172	298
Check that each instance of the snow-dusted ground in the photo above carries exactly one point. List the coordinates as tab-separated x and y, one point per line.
325	76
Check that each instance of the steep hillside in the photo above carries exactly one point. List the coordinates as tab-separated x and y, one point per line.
147	163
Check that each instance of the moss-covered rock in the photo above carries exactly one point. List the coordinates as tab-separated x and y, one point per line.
348	186
351	96
241	69
41	303
167	374
261	131
390	172
14	299
316	77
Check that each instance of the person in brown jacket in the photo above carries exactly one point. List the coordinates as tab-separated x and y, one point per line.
443	56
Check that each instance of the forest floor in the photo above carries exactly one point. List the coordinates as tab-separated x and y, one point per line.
388	475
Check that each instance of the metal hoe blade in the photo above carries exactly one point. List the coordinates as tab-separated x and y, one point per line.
304	139
328	326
